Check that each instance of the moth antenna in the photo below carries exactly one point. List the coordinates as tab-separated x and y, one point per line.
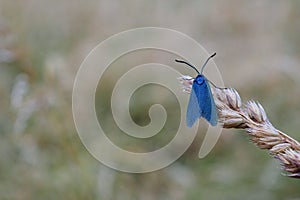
181	61
202	68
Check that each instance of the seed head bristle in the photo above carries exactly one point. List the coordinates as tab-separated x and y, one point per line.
255	112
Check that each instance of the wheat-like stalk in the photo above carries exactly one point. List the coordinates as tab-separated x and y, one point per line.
252	117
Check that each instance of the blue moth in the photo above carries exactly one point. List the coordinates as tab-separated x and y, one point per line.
201	103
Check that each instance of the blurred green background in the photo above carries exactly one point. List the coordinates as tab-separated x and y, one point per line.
42	44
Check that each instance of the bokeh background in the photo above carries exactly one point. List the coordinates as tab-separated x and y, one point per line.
42	44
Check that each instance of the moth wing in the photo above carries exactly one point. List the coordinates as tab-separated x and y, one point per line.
207	104
193	111
213	111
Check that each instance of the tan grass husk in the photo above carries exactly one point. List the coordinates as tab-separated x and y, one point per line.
252	117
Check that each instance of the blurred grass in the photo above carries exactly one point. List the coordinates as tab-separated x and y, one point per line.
41	156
